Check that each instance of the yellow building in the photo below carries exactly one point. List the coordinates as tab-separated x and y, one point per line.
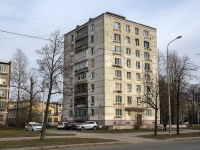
4	89
54	113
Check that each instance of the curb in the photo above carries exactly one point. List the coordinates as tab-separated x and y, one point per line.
67	146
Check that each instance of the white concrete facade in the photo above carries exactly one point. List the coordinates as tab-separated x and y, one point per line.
101	82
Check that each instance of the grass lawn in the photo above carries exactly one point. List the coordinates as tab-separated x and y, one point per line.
167	136
50	142
23	133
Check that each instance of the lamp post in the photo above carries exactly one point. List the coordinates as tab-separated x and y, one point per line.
168	85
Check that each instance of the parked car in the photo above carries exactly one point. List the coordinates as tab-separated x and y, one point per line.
33	127
72	125
87	125
62	125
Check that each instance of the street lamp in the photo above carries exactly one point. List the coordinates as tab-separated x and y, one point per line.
168	85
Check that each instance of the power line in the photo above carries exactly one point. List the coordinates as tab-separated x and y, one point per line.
29	36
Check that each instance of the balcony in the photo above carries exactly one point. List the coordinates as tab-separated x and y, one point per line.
81	118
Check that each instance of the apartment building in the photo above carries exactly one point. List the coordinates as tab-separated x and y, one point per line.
109	60
4	89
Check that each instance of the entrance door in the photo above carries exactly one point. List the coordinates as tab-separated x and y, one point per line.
139	119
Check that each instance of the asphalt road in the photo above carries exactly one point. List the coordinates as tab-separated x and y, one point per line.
181	145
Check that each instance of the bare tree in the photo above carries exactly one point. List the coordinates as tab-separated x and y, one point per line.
19	76
181	69
151	93
51	68
32	90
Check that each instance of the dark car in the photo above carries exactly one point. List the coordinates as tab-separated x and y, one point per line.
72	125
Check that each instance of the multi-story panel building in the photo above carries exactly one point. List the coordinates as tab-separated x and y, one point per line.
4	90
109	61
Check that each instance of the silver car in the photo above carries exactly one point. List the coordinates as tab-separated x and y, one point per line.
33	127
87	125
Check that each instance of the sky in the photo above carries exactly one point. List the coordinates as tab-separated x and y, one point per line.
40	18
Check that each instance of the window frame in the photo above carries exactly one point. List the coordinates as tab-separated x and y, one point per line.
137	65
117	25
118	74
118	99
117	37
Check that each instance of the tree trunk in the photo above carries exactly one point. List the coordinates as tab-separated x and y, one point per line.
156	124
31	101
42	136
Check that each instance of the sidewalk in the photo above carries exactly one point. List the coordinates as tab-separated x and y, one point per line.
123	138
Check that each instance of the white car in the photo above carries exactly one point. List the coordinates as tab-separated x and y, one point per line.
33	127
87	125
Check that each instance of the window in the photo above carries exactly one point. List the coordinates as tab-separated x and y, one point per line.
148	100
3	69
147	89
80	54
138	77
128	51
49	111
92	39
92	99
92	112
137	53
118	74
72	38
1	117
81	65
2	93
2	81
128	40
118	99
118	112
147	77
137	42
71	102
129	99
118	86
128	61
128	28
118	61
147	66
117	26
129	87
128	75
56	119
92	87
137	31
117	37
138	100
117	49
92	51
2	105
49	119
148	112
80	76
138	88
70	113
146	33
92	27
146	44
146	55
92	75
92	63
137	64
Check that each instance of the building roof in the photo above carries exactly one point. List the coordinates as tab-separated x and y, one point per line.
110	14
